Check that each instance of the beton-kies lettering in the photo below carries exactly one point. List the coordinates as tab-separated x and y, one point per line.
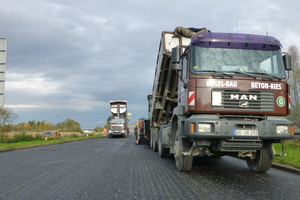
272	86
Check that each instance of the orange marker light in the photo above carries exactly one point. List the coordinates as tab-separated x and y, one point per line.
292	130
192	127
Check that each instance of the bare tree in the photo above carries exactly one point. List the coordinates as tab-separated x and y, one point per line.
295	75
7	116
295	85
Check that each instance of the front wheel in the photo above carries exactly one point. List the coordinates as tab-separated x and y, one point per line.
263	159
183	162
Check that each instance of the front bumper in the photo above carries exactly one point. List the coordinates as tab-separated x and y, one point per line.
268	129
116	132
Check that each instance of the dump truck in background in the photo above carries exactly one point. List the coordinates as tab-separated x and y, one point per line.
118	121
217	94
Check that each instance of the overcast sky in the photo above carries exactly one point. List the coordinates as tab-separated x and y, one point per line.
69	58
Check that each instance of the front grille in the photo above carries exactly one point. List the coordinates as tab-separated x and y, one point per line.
249	100
116	128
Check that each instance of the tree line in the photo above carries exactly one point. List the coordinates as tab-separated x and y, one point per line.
7	116
69	125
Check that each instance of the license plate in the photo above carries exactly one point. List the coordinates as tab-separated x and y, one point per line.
246	132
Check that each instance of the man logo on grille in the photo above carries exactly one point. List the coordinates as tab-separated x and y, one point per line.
244	104
243	97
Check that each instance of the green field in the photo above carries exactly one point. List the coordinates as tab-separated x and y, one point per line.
32	142
292	151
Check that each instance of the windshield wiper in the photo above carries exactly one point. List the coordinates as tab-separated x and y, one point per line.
217	73
241	73
227	73
266	74
208	71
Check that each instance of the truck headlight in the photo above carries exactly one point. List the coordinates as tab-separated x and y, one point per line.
282	129
205	128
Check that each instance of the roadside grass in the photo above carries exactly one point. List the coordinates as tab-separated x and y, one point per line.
23	140
292	151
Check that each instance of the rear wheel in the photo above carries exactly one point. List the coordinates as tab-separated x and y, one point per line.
263	159
154	142
151	141
183	162
162	151
154	145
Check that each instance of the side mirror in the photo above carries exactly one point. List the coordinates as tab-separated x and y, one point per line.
176	59
287	61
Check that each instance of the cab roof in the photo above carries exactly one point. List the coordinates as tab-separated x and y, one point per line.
235	41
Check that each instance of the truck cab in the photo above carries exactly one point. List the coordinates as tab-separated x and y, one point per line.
117	127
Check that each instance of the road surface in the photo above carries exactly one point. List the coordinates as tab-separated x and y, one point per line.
116	168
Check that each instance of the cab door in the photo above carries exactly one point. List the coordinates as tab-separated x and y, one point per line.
183	93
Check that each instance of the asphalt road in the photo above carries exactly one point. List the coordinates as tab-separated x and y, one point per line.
118	169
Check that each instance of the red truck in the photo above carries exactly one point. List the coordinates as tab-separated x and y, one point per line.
218	94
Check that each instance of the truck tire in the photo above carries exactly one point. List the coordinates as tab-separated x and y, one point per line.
154	145
183	162
263	159
151	142
162	151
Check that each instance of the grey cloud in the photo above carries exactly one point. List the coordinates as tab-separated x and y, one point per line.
67	59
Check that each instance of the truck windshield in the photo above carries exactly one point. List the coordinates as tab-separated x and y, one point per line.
117	121
237	61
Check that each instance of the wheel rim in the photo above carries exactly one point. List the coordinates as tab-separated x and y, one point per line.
177	152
